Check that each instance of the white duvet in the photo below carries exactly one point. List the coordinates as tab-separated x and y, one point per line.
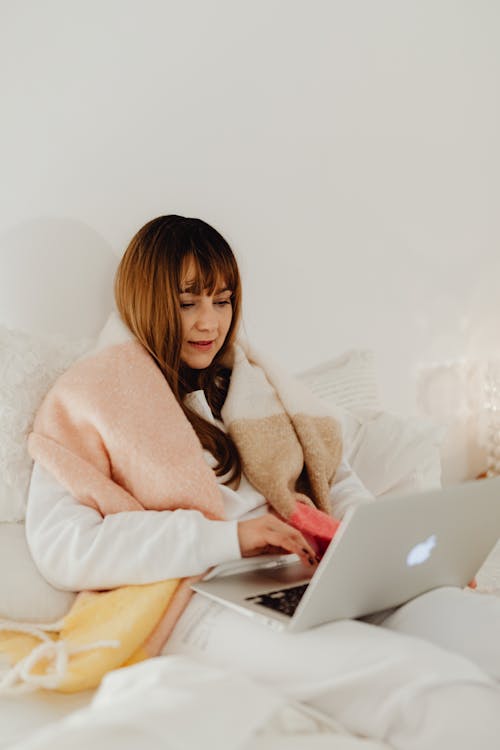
174	703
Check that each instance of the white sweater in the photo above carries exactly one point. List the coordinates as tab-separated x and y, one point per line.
75	548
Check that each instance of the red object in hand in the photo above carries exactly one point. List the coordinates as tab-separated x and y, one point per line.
318	527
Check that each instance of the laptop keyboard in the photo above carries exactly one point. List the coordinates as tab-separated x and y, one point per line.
283	600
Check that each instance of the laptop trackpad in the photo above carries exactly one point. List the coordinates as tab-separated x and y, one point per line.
286	574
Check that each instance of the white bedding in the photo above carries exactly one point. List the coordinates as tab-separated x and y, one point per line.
146	706
151	704
169	701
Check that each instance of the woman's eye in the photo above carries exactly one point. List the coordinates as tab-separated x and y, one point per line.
185	305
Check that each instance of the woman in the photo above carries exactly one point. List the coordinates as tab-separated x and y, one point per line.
178	292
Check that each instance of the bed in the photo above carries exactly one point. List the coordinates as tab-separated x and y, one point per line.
55	295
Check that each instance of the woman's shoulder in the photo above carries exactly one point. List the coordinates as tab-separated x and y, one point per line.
110	364
117	368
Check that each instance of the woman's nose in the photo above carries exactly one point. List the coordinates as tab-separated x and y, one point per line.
206	320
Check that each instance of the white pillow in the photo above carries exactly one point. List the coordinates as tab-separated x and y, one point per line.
24	593
348	381
391	454
29	365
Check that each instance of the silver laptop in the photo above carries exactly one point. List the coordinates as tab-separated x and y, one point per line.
383	554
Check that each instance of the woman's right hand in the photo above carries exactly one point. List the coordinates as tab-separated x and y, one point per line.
267	533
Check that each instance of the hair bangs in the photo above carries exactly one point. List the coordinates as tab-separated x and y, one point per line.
213	271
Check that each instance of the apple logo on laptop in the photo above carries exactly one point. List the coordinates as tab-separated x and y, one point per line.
421	552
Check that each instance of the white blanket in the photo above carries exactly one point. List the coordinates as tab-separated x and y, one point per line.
174	702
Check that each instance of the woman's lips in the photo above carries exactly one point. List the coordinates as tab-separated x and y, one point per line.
201	345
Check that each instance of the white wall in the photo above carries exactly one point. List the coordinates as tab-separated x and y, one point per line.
349	151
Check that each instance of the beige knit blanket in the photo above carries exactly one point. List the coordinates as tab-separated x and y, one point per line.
111	432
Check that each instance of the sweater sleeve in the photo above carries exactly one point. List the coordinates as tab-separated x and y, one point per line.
347	490
75	548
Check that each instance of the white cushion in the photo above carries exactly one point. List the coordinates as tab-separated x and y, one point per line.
24	593
348	381
391	454
29	365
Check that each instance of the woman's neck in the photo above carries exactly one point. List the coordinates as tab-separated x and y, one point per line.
191	379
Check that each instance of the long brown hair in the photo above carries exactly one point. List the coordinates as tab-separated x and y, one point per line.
147	287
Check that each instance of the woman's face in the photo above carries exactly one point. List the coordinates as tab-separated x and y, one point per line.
205	321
